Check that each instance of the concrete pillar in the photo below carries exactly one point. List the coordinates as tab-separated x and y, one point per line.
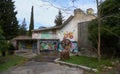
19	46
38	46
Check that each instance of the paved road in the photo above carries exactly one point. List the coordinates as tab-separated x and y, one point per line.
43	64
33	67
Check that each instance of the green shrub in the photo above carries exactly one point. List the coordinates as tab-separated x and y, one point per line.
11	49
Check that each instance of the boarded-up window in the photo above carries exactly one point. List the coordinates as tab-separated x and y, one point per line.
83	35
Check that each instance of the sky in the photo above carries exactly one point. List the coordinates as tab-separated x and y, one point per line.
45	12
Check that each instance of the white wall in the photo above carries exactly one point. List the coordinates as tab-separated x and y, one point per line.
36	35
72	26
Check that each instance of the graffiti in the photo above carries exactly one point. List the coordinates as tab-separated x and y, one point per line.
27	45
46	36
66	44
48	45
22	45
73	46
68	35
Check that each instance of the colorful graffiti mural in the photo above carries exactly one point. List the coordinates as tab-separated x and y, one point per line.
48	45
66	44
73	46
68	35
27	45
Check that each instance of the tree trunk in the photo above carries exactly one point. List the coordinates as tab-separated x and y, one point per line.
3	53
99	23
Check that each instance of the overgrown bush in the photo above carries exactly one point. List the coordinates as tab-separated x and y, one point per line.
3	45
110	41
110	28
11	49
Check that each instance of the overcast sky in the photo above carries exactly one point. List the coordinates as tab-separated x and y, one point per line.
44	12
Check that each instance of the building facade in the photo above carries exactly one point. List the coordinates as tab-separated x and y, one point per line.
51	38
70	29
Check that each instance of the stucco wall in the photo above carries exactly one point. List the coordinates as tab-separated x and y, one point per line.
72	26
69	31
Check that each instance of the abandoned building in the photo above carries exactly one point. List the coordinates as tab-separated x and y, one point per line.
74	29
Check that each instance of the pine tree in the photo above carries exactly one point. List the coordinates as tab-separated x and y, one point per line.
3	43
31	26
59	19
22	28
8	20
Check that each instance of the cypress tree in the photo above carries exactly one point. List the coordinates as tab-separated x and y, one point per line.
31	26
22	28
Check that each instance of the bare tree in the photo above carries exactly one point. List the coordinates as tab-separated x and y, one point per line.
67	10
98	2
99	23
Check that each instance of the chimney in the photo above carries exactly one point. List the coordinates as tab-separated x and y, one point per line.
90	11
78	11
